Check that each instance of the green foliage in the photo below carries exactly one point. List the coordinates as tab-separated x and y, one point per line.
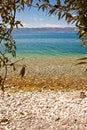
8	9
74	11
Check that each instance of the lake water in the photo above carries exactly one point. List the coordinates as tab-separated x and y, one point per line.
49	44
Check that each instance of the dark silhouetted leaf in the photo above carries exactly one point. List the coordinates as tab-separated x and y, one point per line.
22	72
81	63
14	68
84	58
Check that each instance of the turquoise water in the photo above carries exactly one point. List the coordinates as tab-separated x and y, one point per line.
49	44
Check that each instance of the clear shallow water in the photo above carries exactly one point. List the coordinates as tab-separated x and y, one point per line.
49	44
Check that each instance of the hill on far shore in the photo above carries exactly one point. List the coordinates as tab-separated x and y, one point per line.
45	29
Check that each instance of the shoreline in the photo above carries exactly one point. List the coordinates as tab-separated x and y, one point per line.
61	55
48	73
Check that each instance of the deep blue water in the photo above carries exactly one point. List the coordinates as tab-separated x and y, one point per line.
49	44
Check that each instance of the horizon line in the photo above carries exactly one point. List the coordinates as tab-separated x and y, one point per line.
42	27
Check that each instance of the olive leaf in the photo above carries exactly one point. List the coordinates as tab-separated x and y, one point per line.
81	63
22	72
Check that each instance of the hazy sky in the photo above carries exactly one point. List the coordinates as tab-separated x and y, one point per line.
34	18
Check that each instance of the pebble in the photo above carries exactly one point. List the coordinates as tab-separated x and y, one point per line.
45	110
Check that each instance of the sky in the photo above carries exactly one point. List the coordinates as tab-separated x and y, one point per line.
32	18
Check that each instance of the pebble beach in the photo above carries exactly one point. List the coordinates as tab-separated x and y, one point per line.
52	95
46	110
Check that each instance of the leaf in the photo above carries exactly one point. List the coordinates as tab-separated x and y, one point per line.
59	15
63	15
37	4
52	11
22	72
84	58
14	68
43	7
13	53
0	80
6	45
15	47
81	63
25	1
21	25
58	3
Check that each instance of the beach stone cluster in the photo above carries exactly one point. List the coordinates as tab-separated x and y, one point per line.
46	110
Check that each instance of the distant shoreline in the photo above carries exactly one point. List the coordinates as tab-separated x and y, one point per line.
45	29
